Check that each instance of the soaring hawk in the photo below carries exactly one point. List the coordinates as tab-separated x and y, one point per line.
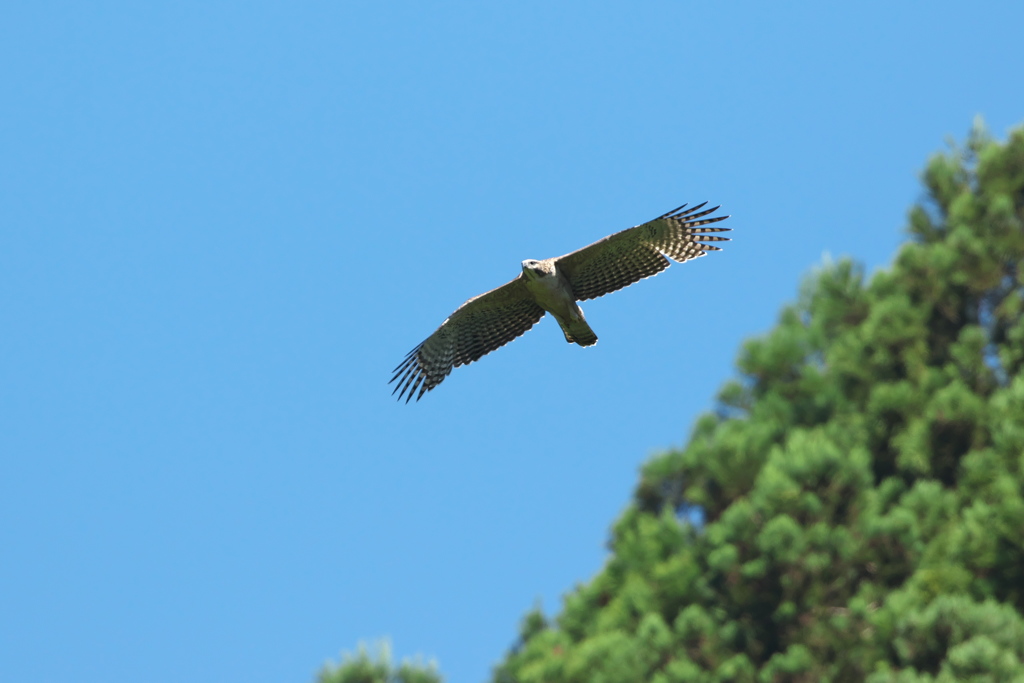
554	285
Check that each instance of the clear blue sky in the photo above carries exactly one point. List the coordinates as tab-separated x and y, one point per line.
222	224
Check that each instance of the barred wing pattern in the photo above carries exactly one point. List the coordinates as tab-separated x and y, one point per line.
621	259
477	327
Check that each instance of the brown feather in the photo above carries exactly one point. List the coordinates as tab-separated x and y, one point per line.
633	254
477	327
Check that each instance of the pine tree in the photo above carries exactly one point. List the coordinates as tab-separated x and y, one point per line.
364	667
854	510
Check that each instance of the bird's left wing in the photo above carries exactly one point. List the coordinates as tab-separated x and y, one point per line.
621	259
477	327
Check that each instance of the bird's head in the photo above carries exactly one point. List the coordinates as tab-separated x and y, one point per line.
538	270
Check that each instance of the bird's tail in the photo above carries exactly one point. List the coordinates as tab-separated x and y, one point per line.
579	332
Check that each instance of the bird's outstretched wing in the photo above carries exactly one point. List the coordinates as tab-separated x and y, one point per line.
633	254
477	327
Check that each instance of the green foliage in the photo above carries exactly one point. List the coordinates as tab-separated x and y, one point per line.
859	491
363	667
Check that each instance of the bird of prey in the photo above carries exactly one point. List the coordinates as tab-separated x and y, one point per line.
493	319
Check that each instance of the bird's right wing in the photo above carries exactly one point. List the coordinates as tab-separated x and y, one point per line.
477	327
